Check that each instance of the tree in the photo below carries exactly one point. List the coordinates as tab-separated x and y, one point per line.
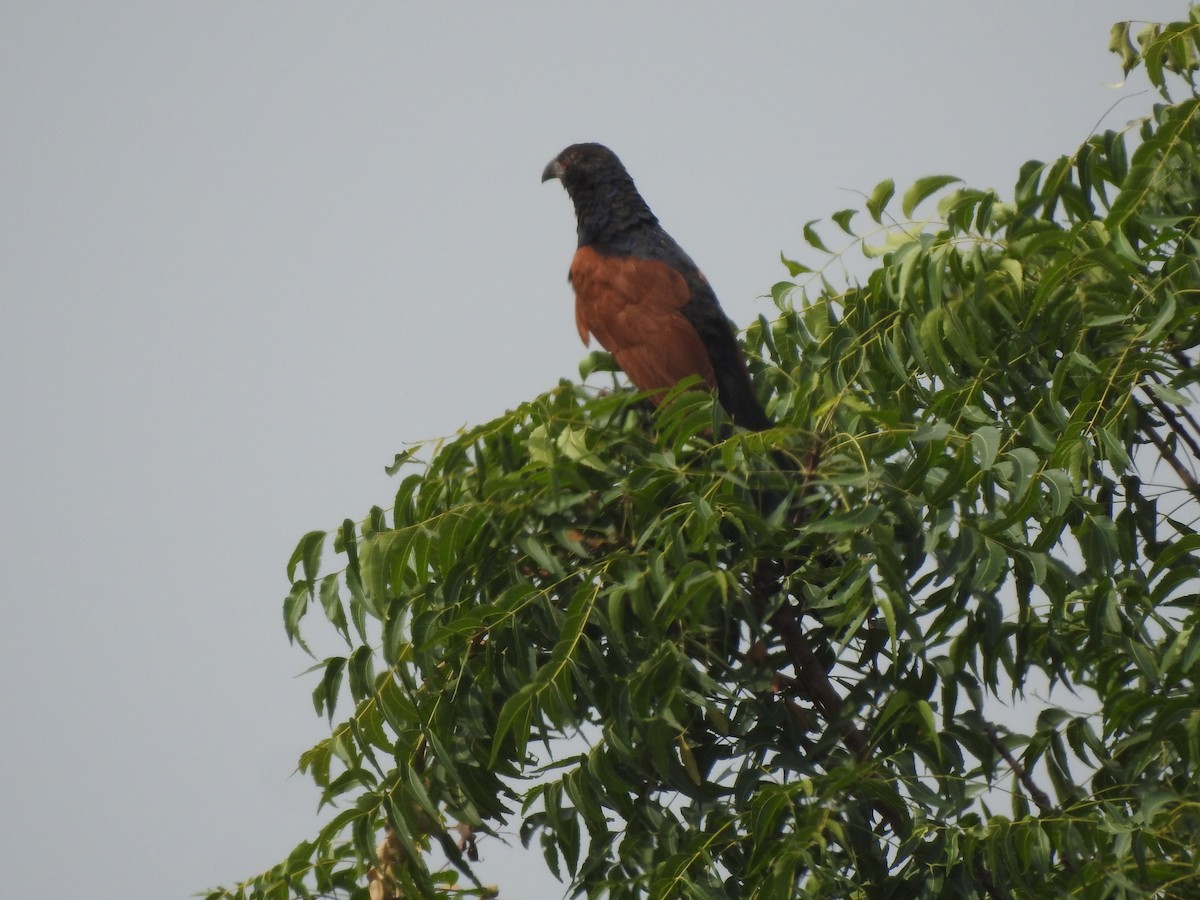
585	618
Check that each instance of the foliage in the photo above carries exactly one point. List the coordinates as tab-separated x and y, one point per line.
574	617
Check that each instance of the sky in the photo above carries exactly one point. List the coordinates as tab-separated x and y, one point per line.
249	251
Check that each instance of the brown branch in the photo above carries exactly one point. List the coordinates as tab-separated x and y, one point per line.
1173	418
811	680
984	877
811	676
1172	460
814	681
1035	793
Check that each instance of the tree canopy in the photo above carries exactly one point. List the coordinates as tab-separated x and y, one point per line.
935	634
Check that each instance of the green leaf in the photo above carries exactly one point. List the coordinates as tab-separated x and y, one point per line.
597	361
401	458
308	555
1025	464
812	238
1114	449
325	694
294	608
1165	317
1061	490
937	431
846	521
1102	321
514	721
878	201
794	268
331	603
1168	394
1120	43
884	603
921	189
842	217
573	443
689	761
540	446
927	718
362	674
985	444
1099	542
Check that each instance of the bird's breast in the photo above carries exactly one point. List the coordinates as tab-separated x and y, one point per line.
632	307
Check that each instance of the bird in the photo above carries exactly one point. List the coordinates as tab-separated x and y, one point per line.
641	296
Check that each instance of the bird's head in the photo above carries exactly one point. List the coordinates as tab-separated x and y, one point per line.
606	201
585	165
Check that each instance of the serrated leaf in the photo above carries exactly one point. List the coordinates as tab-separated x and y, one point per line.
1120	43
1101	321
401	458
921	189
1098	539
878	201
540	447
573	443
794	268
294	608
1154	802
307	555
331	603
935	432
325	694
844	522
928	718
1165	316
884	603
515	718
985	444
1061	490
842	217
1168	394
1025	464
1016	273
814	239
362	673
1114	449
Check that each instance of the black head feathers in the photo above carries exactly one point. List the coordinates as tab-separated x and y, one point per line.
607	203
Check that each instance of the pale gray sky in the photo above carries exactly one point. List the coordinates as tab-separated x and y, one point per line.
248	250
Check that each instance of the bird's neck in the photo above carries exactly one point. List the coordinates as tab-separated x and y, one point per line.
607	212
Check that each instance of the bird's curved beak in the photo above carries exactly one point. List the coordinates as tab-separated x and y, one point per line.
553	170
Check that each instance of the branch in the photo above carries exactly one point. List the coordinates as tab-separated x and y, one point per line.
1168	454
984	877
1183	426
814	681
1173	418
1036	794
